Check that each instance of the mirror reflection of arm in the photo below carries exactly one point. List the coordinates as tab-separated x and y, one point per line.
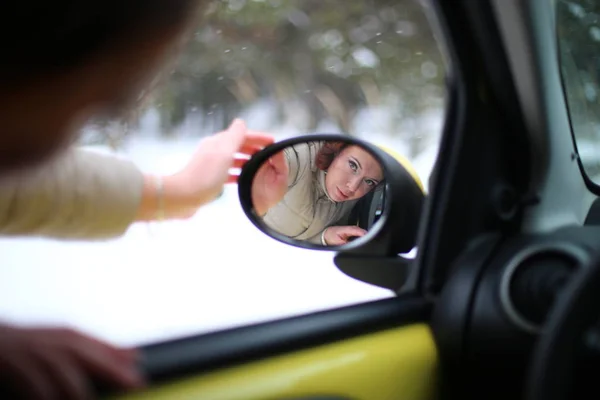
318	239
292	158
338	233
269	190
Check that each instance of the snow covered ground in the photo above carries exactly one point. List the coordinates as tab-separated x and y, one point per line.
162	281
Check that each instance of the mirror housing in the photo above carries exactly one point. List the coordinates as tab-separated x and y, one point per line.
394	232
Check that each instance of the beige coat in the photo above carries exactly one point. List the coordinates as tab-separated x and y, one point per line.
306	210
78	195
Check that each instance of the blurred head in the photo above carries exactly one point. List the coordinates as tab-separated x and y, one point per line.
351	171
66	61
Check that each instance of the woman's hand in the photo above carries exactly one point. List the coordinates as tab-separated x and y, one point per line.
270	183
50	363
339	235
202	179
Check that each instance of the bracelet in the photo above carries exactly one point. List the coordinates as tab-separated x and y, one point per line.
160	196
323	242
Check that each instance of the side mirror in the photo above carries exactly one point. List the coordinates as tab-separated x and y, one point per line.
333	192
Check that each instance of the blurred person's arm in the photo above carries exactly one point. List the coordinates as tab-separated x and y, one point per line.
81	194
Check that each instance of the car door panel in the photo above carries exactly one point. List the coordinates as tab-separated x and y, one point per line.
366	351
376	366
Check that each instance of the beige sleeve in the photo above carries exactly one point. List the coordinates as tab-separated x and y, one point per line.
78	195
317	238
292	158
299	158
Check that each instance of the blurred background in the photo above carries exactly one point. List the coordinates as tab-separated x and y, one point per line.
366	68
578	35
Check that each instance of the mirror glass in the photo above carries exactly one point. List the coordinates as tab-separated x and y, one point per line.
327	193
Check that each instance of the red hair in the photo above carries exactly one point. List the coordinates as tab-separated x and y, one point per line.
327	153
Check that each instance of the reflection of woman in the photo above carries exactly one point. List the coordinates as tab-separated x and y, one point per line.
307	191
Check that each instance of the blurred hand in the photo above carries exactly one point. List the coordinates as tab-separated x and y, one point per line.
50	363
339	235
203	178
270	183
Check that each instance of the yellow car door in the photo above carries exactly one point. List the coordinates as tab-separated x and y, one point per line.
380	350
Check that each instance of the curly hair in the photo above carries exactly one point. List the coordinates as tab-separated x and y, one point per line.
327	153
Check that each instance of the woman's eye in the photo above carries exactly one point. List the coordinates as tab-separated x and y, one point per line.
353	165
370	182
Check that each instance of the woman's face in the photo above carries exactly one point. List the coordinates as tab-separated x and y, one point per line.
352	174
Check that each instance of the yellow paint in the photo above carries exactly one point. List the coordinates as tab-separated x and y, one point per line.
406	164
394	364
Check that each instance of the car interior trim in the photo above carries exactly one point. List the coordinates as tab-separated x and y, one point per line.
518	260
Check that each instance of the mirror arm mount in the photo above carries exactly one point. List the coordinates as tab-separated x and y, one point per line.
386	272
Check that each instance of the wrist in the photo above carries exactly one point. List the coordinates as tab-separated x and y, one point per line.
260	212
178	200
164	197
323	241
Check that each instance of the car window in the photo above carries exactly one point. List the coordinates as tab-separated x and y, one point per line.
370	69
578	36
